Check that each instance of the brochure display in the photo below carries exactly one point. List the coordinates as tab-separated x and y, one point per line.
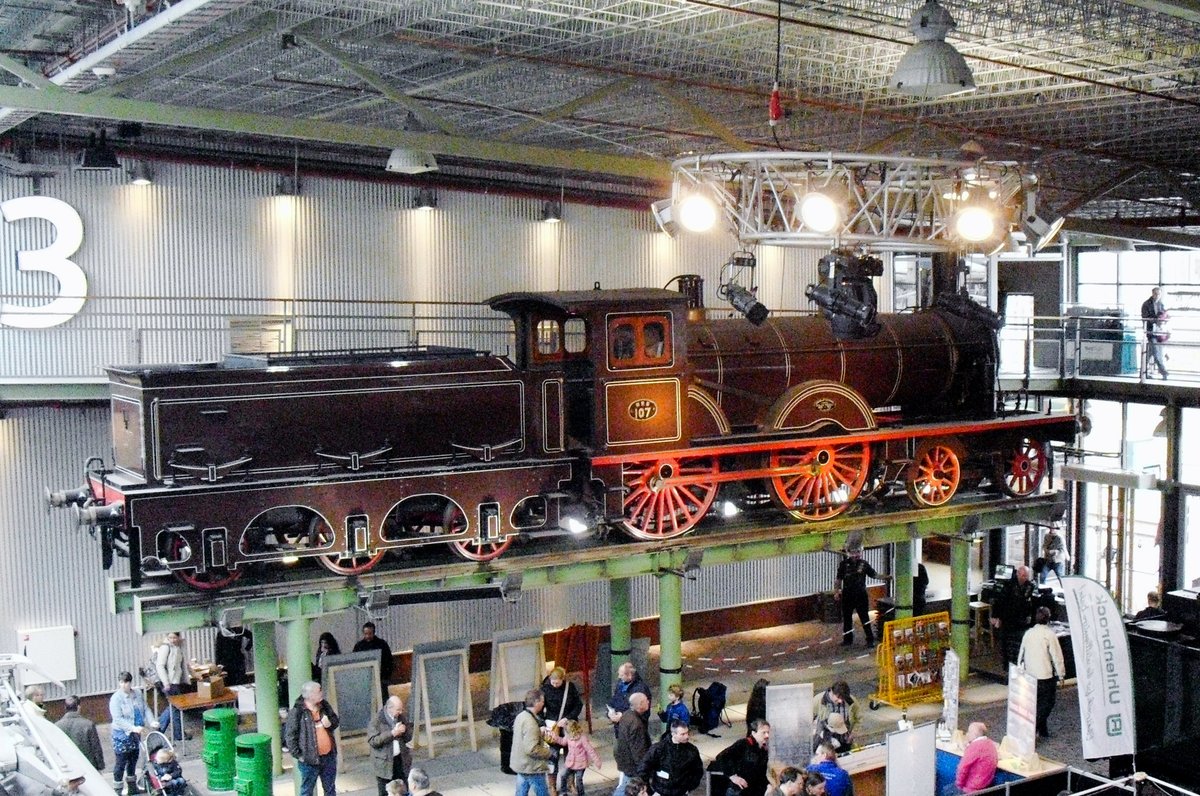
911	655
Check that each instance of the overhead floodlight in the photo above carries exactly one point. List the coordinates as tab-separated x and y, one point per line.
552	212
932	67
975	221
744	302
697	213
97	156
664	214
288	185
425	199
820	211
411	161
1038	231
141	173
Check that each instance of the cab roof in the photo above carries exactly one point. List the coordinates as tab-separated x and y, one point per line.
580	302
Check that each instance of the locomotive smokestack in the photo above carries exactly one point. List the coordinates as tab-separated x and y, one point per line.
692	286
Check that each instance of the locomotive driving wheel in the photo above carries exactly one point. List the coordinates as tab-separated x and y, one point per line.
211	579
1023	468
935	474
344	563
472	549
661	498
828	480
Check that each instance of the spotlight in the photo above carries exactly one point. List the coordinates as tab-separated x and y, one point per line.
141	173
729	509
552	212
288	185
820	212
697	213
425	199
231	622
510	587
1038	231
931	67
97	156
976	219
664	214
744	302
376	603
410	161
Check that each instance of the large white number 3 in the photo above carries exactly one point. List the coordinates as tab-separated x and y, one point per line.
53	259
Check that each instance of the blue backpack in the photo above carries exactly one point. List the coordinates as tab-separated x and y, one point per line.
708	708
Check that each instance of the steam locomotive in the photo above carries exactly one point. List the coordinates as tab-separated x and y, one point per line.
618	408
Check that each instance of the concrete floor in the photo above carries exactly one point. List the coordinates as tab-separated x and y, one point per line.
805	652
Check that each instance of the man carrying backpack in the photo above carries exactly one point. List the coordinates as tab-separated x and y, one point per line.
743	764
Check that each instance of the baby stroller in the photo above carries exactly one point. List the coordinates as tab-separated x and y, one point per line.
149	780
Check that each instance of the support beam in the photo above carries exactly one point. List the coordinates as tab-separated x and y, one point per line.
703	118
620	641
960	603
296	654
567	108
670	632
266	690
903	579
126	110
1173	504
25	74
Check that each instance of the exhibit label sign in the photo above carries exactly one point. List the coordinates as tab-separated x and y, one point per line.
53	259
1102	667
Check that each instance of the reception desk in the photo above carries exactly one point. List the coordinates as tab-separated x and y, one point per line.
1008	770
867	768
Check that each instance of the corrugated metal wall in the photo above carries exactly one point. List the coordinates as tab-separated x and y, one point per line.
169	265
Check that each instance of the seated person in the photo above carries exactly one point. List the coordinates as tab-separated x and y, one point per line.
977	768
1153	609
169	773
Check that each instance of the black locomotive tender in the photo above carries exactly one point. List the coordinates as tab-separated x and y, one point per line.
619	407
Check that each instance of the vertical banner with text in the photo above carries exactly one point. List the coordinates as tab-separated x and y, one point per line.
1102	668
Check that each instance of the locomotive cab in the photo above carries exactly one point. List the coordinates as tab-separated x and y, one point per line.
609	364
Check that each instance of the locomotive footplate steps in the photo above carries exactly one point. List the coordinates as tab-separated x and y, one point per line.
163	604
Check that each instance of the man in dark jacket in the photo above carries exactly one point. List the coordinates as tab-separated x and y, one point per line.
308	734
1013	614
672	767
850	586
388	735
743	764
82	731
633	739
373	643
629	682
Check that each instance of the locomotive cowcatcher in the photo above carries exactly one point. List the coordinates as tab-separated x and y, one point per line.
625	408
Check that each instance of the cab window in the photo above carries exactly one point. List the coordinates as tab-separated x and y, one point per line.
639	342
554	338
548	338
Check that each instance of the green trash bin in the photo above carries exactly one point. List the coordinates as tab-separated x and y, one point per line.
220	730
253	756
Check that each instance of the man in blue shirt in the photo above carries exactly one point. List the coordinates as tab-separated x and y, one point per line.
837	781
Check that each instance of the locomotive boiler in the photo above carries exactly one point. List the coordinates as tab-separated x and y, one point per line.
626	408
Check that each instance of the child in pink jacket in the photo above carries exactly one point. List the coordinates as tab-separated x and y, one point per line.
580	753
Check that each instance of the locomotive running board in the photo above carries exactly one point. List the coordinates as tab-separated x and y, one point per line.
163	604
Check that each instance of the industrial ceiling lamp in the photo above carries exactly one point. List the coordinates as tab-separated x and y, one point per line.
975	221
141	173
552	212
664	215
1038	231
288	185
410	161
425	199
697	213
97	156
932	67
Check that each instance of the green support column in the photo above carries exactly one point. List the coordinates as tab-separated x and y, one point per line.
670	632
299	672
960	603
266	689
621	628
904	580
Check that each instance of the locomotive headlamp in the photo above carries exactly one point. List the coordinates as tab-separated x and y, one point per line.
697	213
67	497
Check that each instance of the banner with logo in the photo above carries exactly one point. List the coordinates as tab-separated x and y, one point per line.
1102	668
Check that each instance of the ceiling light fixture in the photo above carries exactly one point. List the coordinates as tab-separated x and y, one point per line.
552	212
1038	231
288	185
697	213
975	221
425	199
97	156
821	211
141	173
410	161
664	215
932	67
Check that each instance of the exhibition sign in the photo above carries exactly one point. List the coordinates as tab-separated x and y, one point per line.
1102	668
1021	724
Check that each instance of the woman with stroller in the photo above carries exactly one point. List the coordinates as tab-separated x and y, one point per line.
127	708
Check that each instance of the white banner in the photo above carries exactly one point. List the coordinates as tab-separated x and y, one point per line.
950	668
1102	668
1022	712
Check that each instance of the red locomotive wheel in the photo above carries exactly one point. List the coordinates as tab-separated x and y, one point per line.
655	508
830	479
935	474
455	521
1023	469
211	580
